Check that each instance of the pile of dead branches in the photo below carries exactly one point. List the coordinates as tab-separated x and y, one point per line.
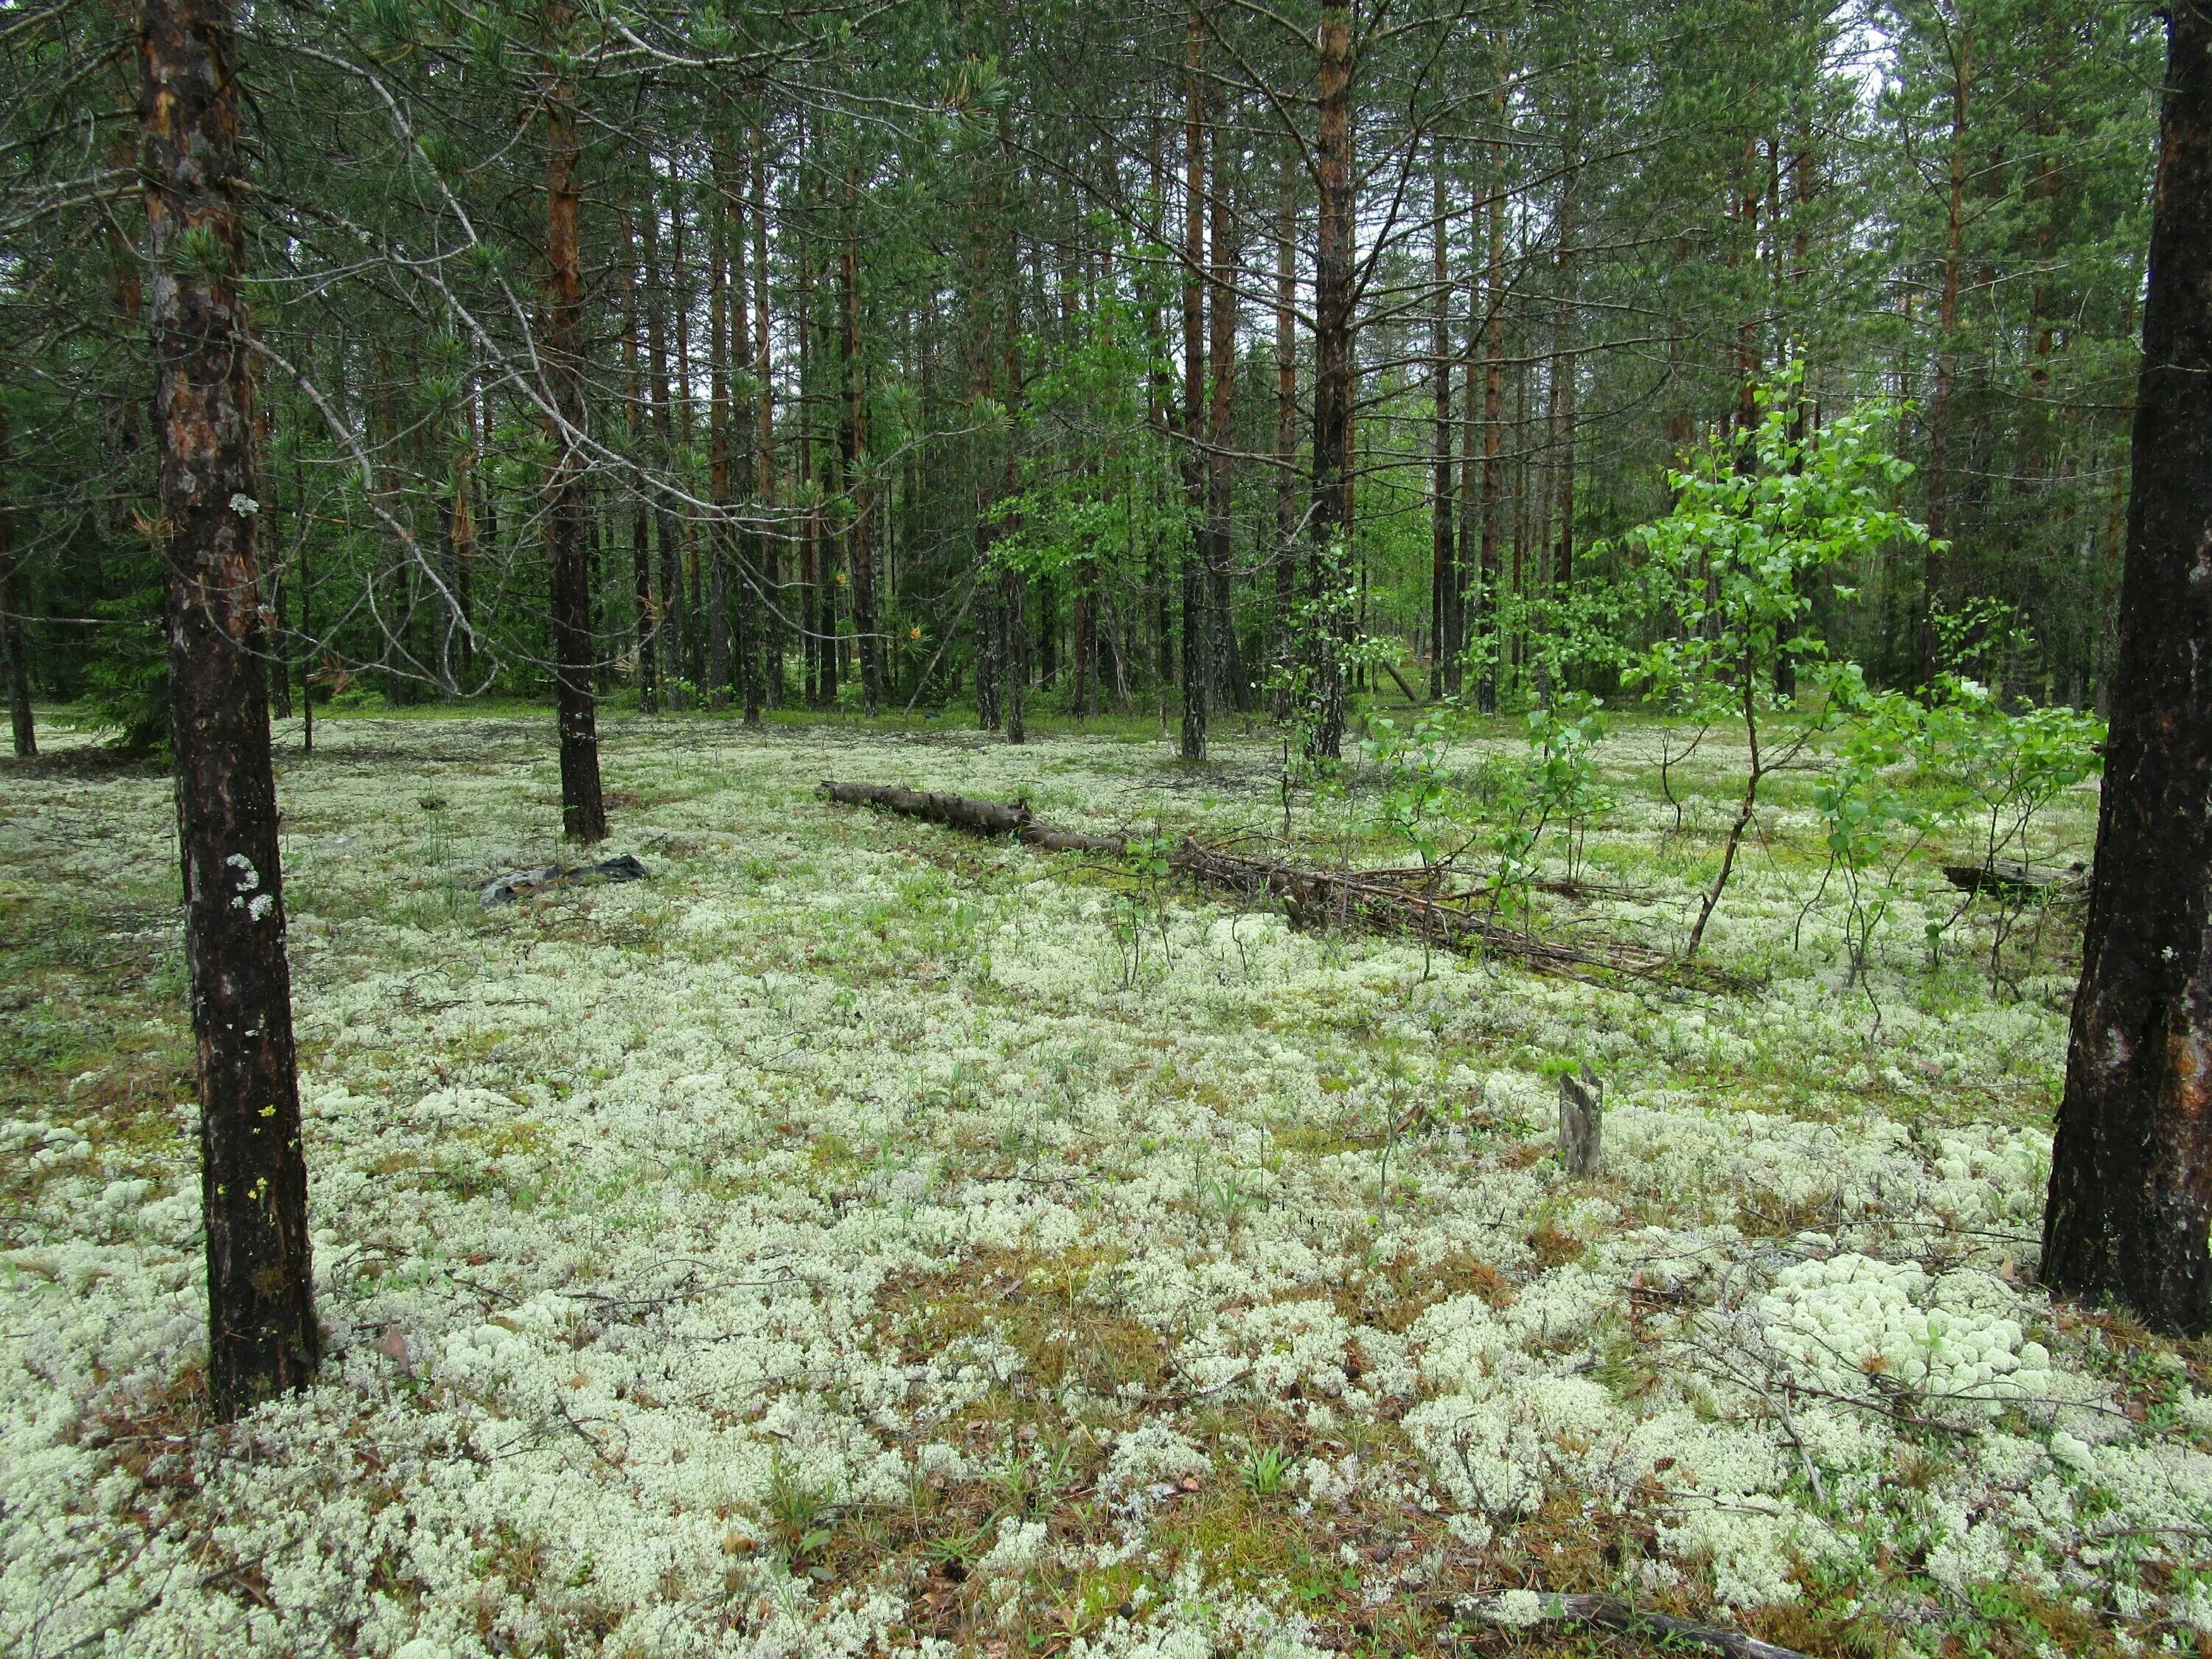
1407	903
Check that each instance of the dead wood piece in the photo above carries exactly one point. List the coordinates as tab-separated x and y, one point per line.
1581	1118
982	817
1434	877
2008	879
1356	899
521	884
1608	1613
1384	901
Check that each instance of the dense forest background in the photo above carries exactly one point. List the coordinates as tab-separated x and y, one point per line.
1074	359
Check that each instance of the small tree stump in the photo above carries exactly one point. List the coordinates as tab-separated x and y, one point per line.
1581	1113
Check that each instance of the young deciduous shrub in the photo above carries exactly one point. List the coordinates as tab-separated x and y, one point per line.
1756	516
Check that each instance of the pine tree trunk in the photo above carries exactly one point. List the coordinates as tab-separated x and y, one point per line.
746	565
1286	427
1443	561
2131	1168
668	618
687	635
806	491
720	552
1196	631
640	516
583	815
261	1336
14	605
1946	327
852	447
1493	427
1227	676
771	560
1332	370
464	531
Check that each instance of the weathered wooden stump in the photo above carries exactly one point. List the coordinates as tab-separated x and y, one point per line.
1581	1114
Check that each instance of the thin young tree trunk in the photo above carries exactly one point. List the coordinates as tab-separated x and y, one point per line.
464	529
1160	414
14	605
832	657
1946	325
719	552
806	489
688	636
1286	426
261	1336
1196	623
1524	472
1017	581
2131	1168
770	542
1493	421
1468	570
746	542
668	619
1443	560
306	623
1227	677
269	530
640	544
1332	412
853	447
583	814
1562	364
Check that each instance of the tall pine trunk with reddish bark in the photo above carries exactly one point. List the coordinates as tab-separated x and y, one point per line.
1286	427
261	1336
1444	562
1332	372
2131	1168
568	502
853	445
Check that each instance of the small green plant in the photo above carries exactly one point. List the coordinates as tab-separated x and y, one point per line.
1140	912
796	1509
1555	787
1265	1470
2001	771
1410	759
1862	807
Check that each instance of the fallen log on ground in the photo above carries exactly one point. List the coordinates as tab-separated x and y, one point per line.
985	817
1608	1614
521	884
2008	878
1378	901
1433	877
1353	899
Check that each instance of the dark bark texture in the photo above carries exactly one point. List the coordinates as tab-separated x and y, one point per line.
2131	1168
1196	624
14	605
583	814
1333	347
262	1336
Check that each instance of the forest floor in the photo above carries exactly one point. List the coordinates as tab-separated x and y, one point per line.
859	1236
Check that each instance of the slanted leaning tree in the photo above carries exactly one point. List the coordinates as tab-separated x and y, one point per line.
262	1337
2131	1169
